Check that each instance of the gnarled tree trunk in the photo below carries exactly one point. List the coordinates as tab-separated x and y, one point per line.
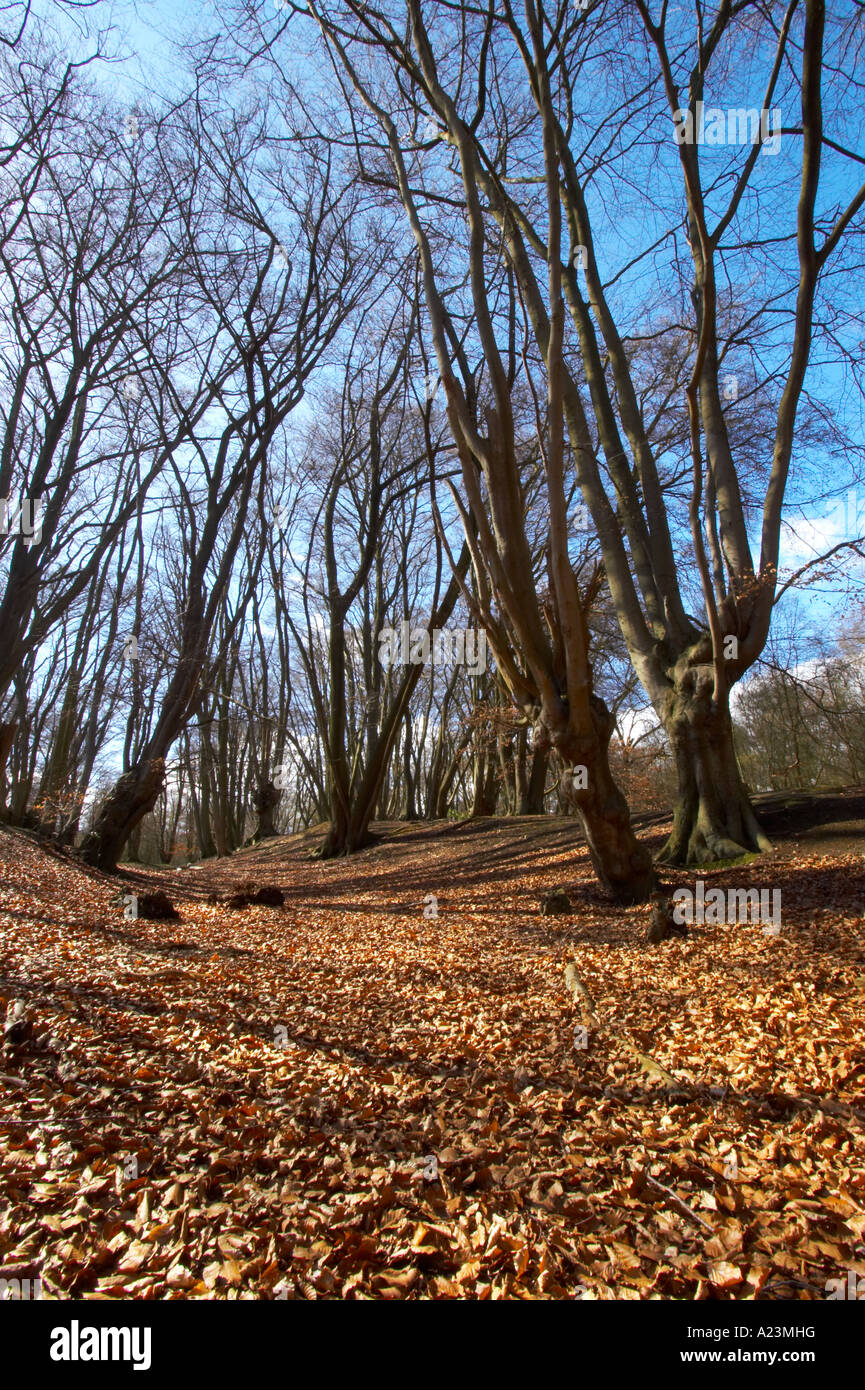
133	795
713	817
265	803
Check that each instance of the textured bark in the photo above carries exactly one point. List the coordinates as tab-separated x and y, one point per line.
485	789
713	817
133	795
265	803
623	866
133	846
521	773
347	835
7	738
534	800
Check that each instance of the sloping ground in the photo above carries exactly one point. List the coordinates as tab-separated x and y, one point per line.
832	821
347	1098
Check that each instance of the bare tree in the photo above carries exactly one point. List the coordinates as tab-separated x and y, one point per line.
687	664
272	329
540	641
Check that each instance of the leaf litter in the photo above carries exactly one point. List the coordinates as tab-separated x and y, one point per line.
350	1097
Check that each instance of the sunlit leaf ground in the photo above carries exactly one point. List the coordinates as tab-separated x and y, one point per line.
347	1098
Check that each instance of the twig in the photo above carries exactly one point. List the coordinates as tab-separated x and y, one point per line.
13	1080
651	1067
579	991
683	1206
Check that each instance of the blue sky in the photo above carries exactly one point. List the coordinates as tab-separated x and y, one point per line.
143	44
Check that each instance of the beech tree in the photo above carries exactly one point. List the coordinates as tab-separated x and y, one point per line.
688	667
87	252
581	114
540	639
267	306
367	466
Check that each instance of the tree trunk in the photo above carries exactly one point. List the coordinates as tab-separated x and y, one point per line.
218	821
133	795
441	805
56	778
623	866
534	802
521	773
410	802
168	837
485	791
133	847
349	828
201	809
7	738
507	769
713	818
265	802
352	813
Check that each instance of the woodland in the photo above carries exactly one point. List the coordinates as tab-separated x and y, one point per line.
432	604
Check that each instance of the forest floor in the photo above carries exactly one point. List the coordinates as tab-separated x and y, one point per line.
347	1098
